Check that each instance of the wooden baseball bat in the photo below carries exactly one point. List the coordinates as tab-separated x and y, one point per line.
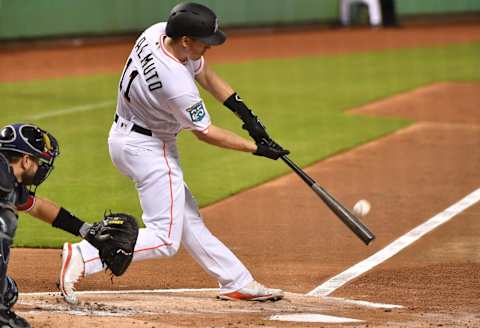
350	220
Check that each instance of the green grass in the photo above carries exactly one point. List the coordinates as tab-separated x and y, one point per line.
301	101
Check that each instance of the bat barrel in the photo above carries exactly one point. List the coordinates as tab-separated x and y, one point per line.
352	222
345	215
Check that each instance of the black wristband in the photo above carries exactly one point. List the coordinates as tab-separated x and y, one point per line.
68	222
236	105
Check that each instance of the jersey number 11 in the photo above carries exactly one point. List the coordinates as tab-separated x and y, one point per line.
132	77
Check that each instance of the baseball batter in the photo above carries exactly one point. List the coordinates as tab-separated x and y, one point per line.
157	99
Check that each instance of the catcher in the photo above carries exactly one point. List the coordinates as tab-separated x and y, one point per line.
27	155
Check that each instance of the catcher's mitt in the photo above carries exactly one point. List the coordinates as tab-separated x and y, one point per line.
115	237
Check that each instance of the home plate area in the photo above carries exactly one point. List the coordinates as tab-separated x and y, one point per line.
152	306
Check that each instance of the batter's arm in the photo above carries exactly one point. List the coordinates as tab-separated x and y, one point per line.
219	137
214	84
226	139
224	93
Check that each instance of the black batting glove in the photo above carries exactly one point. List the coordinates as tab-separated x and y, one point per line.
256	130
270	149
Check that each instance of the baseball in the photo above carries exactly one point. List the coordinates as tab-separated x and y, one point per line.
361	208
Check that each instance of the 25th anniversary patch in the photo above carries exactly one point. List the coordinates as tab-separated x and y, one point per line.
197	112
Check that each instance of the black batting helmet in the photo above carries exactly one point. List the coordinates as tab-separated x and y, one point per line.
196	21
29	139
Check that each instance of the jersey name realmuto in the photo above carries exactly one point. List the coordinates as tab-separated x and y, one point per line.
157	91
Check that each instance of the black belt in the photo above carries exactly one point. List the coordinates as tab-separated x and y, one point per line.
138	128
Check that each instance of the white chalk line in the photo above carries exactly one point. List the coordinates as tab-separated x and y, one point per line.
78	310
312	317
132	291
71	110
322	318
40	307
396	246
364	303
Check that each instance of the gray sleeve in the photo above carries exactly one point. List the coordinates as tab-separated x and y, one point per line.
7	182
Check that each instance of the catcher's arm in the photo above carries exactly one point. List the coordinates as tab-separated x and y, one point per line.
115	238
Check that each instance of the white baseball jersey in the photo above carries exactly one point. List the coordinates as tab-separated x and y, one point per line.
157	92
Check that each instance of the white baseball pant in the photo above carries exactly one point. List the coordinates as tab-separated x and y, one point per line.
374	11
170	213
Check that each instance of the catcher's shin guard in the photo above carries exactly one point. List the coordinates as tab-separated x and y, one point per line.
10	295
8	226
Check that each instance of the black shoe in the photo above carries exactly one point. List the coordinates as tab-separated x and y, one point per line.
8	319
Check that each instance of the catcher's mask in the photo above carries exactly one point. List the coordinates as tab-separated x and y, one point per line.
31	140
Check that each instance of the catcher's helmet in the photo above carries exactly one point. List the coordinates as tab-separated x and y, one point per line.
196	21
29	139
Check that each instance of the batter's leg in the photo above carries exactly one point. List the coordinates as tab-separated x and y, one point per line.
374	12
212	255
154	168
345	11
